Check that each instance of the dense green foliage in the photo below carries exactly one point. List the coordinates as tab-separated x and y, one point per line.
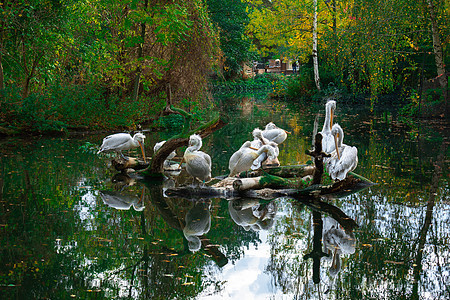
372	47
103	64
231	18
123	54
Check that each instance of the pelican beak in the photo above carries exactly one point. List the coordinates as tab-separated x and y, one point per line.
143	152
336	145
254	148
288	132
331	119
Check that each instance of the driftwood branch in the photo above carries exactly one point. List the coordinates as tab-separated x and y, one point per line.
318	155
122	165
156	168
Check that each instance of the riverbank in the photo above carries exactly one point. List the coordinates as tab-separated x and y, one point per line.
88	109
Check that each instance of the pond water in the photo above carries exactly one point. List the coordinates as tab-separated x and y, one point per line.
71	227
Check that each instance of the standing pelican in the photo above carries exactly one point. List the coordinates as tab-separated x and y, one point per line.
242	159
166	163
198	163
274	133
258	141
344	159
328	144
122	141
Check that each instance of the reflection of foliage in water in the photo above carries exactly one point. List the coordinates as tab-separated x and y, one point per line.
59	239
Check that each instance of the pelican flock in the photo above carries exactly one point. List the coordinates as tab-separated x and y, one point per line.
122	141
262	150
198	163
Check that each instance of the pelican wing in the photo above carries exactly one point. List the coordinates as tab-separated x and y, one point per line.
339	168
116	142
275	135
242	161
198	164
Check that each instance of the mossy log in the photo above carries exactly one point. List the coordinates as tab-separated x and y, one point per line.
271	181
282	171
272	187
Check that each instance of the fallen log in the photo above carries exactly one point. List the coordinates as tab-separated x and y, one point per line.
225	189
282	171
270	181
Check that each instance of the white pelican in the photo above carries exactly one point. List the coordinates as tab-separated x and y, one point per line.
122	141
198	223
274	134
242	159
258	141
328	144
198	163
166	163
344	159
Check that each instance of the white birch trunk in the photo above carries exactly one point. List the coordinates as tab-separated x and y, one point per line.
314	52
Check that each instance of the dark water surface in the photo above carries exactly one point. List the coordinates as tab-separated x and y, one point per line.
70	227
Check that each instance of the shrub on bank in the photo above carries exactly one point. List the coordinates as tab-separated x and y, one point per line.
87	107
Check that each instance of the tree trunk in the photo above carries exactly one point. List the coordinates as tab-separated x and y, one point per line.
2	76
314	52
137	78
438	52
156	167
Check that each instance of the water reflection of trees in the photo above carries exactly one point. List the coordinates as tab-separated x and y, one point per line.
298	257
59	239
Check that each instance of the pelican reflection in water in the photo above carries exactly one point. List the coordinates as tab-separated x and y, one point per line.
122	201
198	163
336	242
250	214
198	223
122	141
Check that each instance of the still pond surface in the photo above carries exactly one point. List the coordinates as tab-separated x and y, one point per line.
71	227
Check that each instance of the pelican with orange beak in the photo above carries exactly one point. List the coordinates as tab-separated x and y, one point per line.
328	144
344	159
122	141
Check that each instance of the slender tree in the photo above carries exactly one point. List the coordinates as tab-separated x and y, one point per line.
314	51
437	47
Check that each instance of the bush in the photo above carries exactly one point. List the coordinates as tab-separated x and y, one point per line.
77	107
300	85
